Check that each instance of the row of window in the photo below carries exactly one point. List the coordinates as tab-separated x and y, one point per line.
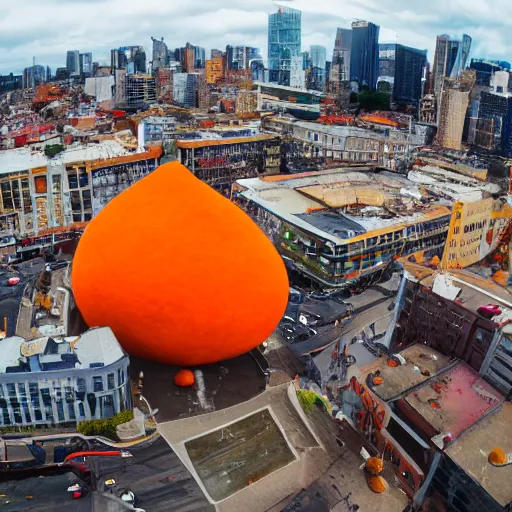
13	391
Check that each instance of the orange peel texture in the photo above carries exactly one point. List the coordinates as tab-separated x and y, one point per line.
497	456
377	484
180	274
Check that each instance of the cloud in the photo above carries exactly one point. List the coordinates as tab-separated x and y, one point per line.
48	29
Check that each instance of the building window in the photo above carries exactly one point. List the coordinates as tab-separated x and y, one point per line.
81	410
111	381
80	389
98	384
40	184
71	410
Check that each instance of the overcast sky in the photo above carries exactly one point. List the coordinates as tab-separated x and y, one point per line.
46	29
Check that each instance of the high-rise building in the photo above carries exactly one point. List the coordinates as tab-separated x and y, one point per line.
216	53
140	90
306	60
48	73
160	52
494	124
10	82
364	55
403	68
73	62
185	89
131	58
450	59
284	42
86	64
340	66
214	70
453	105
485	68
34	76
199	57
240	57
318	62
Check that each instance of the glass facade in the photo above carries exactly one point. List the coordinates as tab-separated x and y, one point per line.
405	65
318	61
450	59
364	57
284	42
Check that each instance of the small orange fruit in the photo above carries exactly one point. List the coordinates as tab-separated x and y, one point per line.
377	484
374	466
497	456
184	379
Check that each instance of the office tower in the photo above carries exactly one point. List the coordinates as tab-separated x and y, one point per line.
453	105
318	62
73	62
364	55
131	58
402	67
251	55
199	57
284	43
450	59
306	60
86	64
185	89
48	73
216	53
34	76
485	68
160	51
340	66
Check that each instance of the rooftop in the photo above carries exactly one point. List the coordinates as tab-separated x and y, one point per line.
472	449
455	400
384	200
97	347
16	160
421	363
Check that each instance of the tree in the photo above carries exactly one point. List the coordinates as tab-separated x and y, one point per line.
373	100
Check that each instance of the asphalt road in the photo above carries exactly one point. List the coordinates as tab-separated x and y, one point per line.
47	494
157	478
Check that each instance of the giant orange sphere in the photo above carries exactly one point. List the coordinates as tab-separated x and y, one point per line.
180	274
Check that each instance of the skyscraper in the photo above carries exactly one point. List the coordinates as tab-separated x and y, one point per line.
73	62
159	53
402	67
318	61
284	42
364	55
199	57
340	66
86	64
450	59
131	58
33	76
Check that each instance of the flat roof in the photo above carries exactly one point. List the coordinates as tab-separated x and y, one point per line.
475	291
95	346
22	159
285	198
454	401
199	143
472	449
422	362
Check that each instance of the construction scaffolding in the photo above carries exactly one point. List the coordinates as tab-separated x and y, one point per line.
140	90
